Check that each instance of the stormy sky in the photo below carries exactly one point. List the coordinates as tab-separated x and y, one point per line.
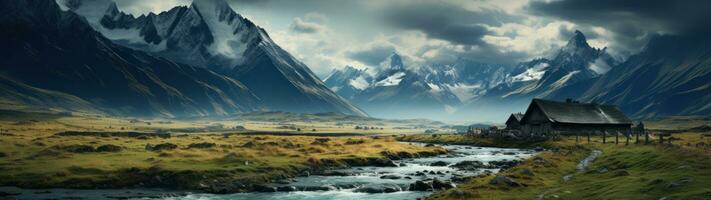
328	34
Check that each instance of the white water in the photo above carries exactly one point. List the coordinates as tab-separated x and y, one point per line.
364	176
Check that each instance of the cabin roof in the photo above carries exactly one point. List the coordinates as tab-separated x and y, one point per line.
514	117
518	116
579	113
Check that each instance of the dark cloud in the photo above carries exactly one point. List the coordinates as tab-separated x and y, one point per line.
632	18
483	54
301	26
372	55
445	21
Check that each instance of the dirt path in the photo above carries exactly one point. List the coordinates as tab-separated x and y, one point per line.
581	167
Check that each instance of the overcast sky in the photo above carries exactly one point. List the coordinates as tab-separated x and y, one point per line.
328	34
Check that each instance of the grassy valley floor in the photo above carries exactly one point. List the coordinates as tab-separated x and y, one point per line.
634	171
37	152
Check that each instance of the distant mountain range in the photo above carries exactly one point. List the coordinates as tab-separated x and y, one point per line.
200	60
393	92
669	77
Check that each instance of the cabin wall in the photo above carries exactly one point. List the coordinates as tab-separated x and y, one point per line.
513	124
550	128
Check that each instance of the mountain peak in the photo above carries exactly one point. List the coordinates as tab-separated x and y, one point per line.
396	61
113	9
211	5
578	40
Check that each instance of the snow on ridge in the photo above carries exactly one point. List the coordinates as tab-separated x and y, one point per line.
599	66
465	92
226	42
563	80
434	88
359	83
531	74
391	80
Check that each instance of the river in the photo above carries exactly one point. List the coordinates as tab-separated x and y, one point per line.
351	184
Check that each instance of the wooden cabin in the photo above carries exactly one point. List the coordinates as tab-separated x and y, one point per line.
514	121
545	117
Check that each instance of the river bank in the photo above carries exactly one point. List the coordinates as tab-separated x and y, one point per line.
408	178
186	162
609	171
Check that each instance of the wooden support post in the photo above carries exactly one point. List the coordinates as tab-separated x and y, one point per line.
646	137
588	137
627	142
661	139
617	137
637	135
604	137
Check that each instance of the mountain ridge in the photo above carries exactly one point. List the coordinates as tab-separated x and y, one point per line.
209	34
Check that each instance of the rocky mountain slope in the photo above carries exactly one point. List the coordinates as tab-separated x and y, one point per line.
209	34
670	76
56	58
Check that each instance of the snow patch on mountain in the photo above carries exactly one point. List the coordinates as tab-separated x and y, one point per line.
599	66
562	81
465	92
216	14
531	74
391	80
359	83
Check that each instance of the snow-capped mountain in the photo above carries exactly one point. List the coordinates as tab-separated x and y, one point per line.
209	34
395	90
348	81
670	76
465	78
576	61
467	85
54	59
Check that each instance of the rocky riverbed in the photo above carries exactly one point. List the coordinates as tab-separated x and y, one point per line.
402	179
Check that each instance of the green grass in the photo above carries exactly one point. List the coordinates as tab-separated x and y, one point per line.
634	172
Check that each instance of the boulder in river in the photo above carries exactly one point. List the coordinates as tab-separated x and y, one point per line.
263	188
286	189
439	163
469	165
391	176
421	186
383	162
336	173
378	188
441	185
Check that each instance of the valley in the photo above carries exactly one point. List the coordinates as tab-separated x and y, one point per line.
380	100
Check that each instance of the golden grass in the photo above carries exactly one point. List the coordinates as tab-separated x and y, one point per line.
33	155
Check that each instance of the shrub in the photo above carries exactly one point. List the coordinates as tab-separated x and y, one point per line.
108	148
161	147
202	145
